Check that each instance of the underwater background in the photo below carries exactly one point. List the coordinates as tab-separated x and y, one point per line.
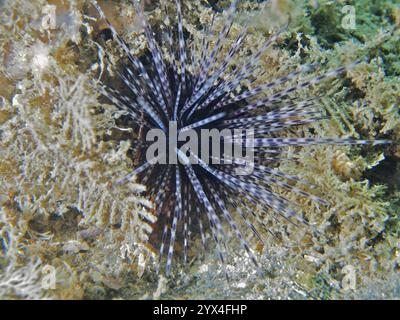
62	147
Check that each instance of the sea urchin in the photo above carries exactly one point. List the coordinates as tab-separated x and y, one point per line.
184	91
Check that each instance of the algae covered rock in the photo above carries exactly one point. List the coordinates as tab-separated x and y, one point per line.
63	147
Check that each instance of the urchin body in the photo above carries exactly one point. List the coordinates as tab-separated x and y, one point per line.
195	92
